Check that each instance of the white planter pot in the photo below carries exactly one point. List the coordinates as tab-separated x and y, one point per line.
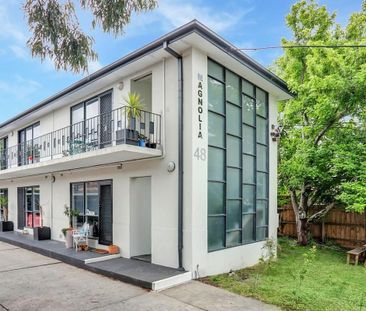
68	239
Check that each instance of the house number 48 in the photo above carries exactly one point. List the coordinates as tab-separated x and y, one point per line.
200	154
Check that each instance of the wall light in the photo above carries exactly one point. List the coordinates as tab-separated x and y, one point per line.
121	85
171	167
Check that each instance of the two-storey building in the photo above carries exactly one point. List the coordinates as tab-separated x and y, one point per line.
199	193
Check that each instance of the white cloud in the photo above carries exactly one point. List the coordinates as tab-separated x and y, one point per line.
11	33
10	30
94	66
20	52
174	13
19	88
178	13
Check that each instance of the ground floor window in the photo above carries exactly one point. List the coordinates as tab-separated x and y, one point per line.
93	200
3	203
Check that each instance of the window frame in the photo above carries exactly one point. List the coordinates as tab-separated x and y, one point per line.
23	156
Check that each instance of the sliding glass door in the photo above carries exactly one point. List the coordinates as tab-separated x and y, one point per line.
93	200
91	123
29	151
4	153
29	207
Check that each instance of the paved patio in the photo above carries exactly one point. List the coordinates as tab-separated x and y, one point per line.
131	271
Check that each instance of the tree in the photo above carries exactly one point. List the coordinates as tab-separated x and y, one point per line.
56	32
322	147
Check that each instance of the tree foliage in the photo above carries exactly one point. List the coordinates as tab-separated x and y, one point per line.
322	150
56	32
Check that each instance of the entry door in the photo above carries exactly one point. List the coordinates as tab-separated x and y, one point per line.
105	120
105	213
140	213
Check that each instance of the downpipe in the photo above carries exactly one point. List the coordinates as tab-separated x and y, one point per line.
180	151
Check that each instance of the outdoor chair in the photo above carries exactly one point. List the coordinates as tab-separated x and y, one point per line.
80	237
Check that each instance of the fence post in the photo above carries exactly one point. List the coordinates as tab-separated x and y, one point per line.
323	231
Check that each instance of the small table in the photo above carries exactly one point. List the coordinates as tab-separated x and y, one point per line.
356	253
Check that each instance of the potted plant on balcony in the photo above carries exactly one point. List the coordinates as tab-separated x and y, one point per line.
71	214
132	111
5	224
142	140
41	233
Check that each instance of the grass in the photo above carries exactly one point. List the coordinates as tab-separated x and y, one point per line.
326	282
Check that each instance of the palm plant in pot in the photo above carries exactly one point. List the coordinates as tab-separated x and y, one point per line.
5	224
67	232
133	112
41	233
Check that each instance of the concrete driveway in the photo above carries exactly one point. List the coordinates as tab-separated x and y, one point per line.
29	281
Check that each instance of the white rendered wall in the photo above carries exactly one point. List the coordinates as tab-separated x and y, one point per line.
164	187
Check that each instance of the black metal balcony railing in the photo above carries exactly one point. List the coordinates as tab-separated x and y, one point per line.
105	130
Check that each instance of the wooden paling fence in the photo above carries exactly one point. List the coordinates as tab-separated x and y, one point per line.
345	229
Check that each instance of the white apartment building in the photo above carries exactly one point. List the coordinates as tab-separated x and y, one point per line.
200	194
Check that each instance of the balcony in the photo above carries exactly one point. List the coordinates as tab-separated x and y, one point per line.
112	137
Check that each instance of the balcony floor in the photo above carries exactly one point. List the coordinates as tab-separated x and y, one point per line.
109	155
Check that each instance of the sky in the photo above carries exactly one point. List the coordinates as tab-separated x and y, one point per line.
25	81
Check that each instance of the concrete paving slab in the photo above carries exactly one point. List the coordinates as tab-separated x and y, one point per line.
211	298
13	259
152	301
44	284
61	287
6	246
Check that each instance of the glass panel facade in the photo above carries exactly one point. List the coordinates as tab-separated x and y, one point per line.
233	214
248	139
237	160
216	71
216	130
216	164
248	110
261	103
248	198
216	197
247	88
232	88
233	151
248	169
216	95
233	120
216	237
233	183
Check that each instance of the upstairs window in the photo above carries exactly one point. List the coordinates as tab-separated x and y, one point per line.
143	87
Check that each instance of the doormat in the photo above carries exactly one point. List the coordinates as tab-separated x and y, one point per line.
100	251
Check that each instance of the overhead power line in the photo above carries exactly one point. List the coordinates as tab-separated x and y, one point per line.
303	47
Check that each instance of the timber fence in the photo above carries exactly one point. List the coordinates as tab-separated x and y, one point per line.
339	226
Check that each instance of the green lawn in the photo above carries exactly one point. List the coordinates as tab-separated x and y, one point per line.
326	284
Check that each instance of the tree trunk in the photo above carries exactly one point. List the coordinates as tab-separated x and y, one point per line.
301	219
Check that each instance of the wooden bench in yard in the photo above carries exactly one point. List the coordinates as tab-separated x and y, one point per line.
356	254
